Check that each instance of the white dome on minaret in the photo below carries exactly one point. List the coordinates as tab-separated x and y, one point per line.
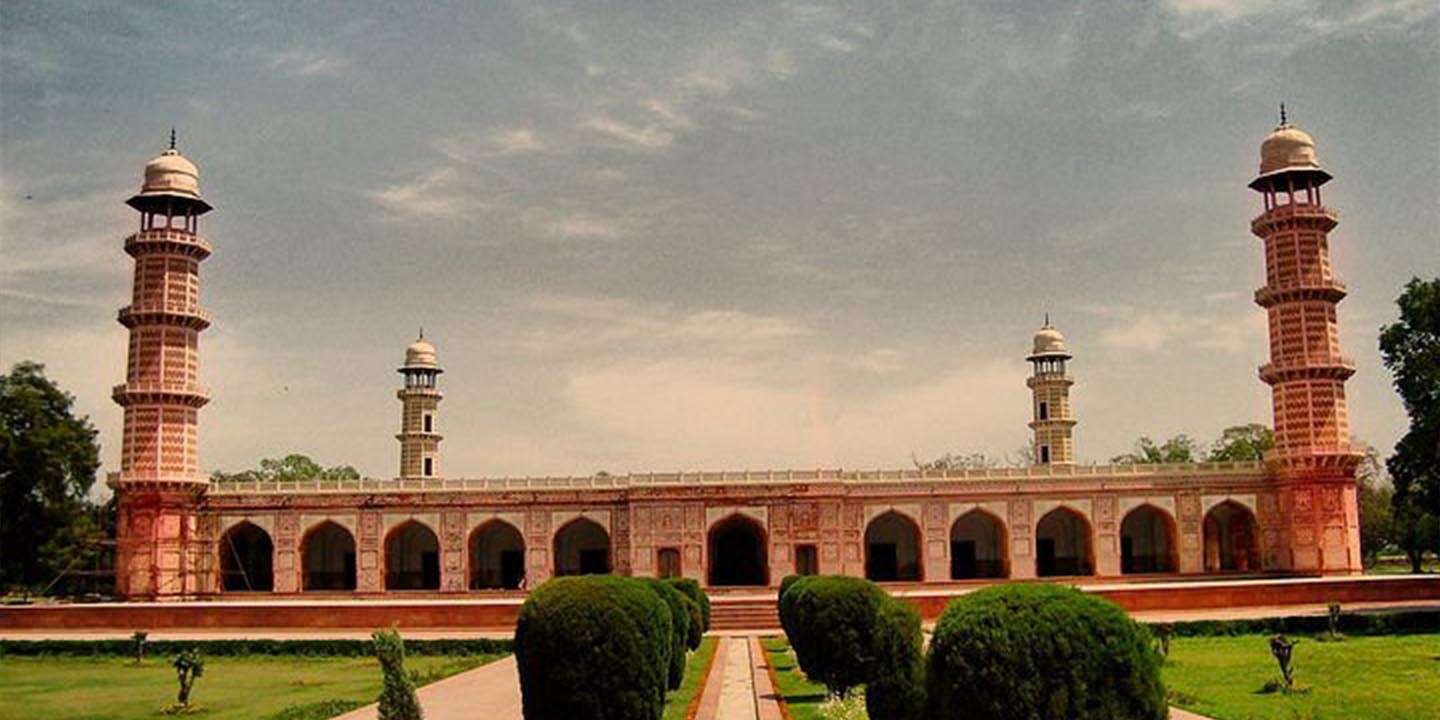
421	355
1049	342
168	177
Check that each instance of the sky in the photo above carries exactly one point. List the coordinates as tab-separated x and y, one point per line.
658	236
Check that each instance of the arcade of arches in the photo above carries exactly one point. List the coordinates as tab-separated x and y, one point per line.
1062	545
977	547
737	553
412	558
582	547
1147	541
1230	539
892	549
497	557
247	559
328	558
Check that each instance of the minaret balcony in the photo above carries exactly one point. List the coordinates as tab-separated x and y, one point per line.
1328	290
193	318
418	391
1312	216
155	393
167	241
1308	367
1049	379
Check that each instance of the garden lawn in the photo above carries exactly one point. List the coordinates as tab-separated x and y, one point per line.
805	699
249	687
678	701
1391	677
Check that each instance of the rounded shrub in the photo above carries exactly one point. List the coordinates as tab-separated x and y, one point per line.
595	646
831	625
692	590
679	636
789	596
1041	651
696	625
895	689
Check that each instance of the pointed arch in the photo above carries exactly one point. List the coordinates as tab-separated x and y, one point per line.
1230	532
247	559
1063	544
1148	541
738	552
978	547
892	549
412	557
497	556
582	547
327	558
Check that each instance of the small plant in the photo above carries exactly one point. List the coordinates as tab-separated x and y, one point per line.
139	639
188	667
1283	649
1163	633
1334	618
397	697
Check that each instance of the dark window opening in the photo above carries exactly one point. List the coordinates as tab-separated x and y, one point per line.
807	560
1044	453
1044	412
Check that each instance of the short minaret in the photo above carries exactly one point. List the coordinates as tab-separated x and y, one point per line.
157	490
1054	426
420	400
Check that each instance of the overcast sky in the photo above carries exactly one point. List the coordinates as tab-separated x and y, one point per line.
659	236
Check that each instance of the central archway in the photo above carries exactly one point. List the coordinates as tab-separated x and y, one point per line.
1062	545
738	553
892	549
327	558
412	558
1147	541
247	559
977	547
1230	539
497	557
582	547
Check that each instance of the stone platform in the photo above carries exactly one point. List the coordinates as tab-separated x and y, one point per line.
734	609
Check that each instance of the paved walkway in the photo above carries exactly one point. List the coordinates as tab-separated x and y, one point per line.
491	690
739	685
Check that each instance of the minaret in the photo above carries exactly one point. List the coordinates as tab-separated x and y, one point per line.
1313	459
159	483
1054	425
419	399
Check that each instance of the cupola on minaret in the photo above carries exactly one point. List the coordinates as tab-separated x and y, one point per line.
1053	423
159	480
420	401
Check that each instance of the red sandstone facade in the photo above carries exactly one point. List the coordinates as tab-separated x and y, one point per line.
181	536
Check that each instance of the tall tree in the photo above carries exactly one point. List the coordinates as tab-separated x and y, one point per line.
48	459
1411	348
1374	497
1178	449
292	467
1242	442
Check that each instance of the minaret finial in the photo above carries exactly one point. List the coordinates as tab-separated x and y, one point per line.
1047	319
1283	119
422	332
172	138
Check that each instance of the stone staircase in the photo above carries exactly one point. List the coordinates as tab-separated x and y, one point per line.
744	613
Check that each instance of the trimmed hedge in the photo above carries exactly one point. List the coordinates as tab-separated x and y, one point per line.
896	688
1028	650
231	648
696	624
691	588
831	622
594	646
679	627
1382	623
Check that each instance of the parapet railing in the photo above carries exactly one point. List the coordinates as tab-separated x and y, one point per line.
737	477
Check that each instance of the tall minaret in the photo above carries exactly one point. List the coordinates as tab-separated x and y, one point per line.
419	399
1317	524
1054	425
159	483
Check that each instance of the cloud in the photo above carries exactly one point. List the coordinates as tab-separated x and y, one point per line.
649	138
1151	332
308	63
429	195
583	227
516	141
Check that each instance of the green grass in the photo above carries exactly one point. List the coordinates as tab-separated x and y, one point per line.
1394	677
805	699
678	701
1401	566
249	687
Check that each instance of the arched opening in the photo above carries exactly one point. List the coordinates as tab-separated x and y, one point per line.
1230	539
412	558
327	558
582	547
892	549
247	559
1147	541
497	557
738	553
977	547
1062	545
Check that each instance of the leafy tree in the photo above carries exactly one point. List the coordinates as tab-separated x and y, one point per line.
1023	457
292	467
1242	442
48	460
1374	496
397	696
1178	449
1411	348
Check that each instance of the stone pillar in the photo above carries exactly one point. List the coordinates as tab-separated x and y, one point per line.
370	563
1190	533
287	553
1107	537
852	538
1022	550
620	541
538	543
832	541
453	552
692	553
936	542
781	553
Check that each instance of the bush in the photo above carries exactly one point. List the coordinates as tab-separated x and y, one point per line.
679	627
831	622
696	625
595	646
397	696
692	590
236	648
1041	651
896	688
